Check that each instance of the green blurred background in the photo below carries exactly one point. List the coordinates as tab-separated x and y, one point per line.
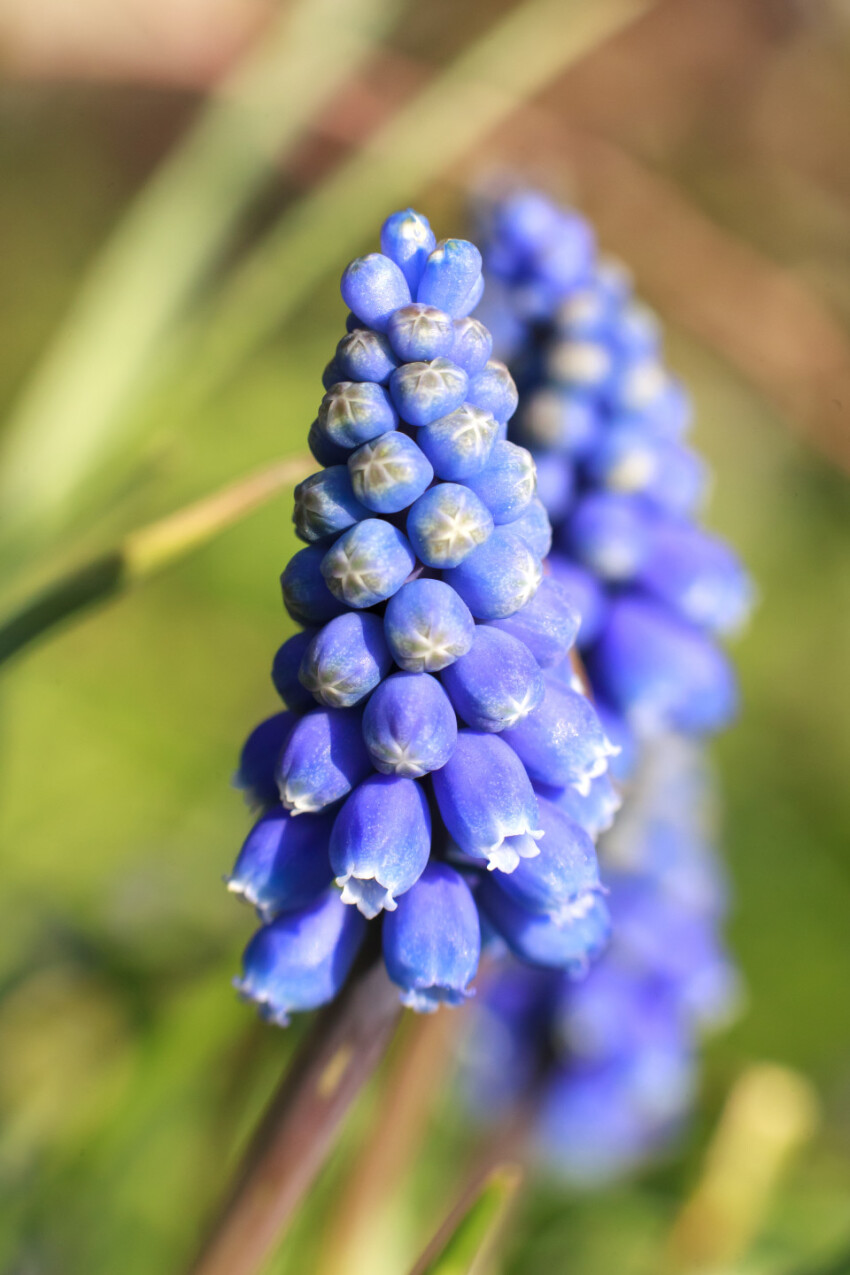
710	139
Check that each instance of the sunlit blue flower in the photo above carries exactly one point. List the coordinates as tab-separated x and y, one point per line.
381	842
302	959
432	940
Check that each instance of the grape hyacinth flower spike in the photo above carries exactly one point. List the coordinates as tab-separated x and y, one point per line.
426	698
606	424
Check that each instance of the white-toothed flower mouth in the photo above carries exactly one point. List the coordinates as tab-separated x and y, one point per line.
369	895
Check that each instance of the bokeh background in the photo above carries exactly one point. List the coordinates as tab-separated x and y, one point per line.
710	142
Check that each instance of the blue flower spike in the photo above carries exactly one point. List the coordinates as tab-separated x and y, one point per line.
428	630
605	1051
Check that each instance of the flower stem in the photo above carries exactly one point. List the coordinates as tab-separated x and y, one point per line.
300	1126
144	552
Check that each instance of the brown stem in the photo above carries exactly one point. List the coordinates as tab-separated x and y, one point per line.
301	1124
411	1091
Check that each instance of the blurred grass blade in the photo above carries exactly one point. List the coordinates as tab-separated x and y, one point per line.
516	58
144	552
770	1113
472	1227
78	400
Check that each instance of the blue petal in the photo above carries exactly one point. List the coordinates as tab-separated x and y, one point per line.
409	725
364	355
447	523
256	773
324	758
427	626
569	943
420	332
427	389
565	870
547	625
562	741
472	347
325	504
497	682
352	412
302	959
285	666
346	660
389	473
494	391
432	942
534	528
486	797
373	287
459	444
450	274
507	482
306	596
659	672
498	577
284	863
368	563
381	841
408	239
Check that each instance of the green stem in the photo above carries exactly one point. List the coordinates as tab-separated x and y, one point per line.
144	552
471	1228
76	407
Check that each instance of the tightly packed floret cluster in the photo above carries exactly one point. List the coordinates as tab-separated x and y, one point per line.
433	739
606	424
611	1061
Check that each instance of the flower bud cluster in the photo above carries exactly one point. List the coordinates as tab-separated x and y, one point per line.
611	1061
606	424
433	743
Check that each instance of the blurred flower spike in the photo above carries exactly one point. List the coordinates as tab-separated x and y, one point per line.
606	423
436	762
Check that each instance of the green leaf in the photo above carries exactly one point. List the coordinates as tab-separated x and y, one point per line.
472	1227
77	406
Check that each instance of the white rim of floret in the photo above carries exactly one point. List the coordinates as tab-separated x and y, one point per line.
299	805
418	998
353	886
504	858
278	1016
